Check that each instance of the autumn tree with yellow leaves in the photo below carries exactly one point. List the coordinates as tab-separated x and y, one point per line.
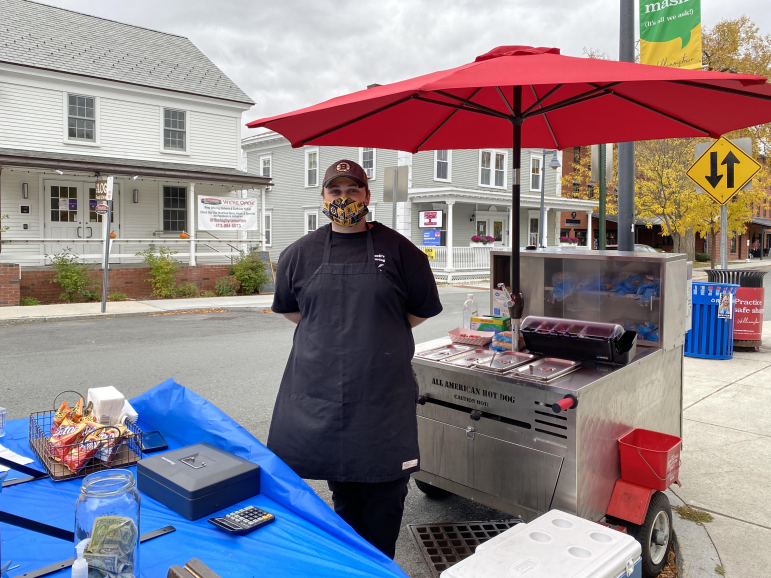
662	188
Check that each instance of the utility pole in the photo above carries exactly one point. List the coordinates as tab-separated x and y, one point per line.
626	168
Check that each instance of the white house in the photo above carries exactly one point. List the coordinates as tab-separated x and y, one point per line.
470	188
81	96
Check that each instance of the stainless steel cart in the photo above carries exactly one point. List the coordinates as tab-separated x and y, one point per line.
493	437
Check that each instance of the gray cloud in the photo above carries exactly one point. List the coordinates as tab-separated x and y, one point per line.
294	53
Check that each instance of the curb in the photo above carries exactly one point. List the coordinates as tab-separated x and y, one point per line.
696	554
91	316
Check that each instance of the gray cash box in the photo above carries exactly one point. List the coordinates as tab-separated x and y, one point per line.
198	480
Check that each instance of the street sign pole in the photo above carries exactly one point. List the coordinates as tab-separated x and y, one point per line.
393	201
603	185
626	161
106	218
723	236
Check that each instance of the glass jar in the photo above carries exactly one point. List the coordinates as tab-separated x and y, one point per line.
107	514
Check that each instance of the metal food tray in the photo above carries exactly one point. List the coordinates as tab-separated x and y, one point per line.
506	361
546	369
444	352
471	359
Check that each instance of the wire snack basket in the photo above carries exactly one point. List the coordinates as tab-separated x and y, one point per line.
74	450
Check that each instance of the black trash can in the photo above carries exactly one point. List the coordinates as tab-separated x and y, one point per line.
750	301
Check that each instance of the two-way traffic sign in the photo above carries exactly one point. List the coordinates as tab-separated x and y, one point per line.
723	170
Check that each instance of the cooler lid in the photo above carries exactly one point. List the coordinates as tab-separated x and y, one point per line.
197	470
555	544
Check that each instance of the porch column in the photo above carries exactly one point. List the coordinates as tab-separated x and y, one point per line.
511	229
262	217
589	241
449	266
191	208
243	234
543	228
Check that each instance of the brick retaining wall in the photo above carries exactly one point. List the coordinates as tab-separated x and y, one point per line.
128	279
9	285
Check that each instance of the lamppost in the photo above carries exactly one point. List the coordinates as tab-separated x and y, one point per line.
554	164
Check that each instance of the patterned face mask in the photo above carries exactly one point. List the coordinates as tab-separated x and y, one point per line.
344	211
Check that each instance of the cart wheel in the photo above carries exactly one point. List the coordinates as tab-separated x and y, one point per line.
654	535
431	491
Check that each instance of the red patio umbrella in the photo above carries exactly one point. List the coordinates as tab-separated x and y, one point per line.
520	96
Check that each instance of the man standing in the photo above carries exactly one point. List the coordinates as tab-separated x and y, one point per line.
345	410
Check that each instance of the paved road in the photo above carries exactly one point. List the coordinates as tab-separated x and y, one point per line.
233	359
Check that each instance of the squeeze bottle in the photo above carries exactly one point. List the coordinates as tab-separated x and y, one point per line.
469	311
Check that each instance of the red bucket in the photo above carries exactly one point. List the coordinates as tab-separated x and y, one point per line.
650	459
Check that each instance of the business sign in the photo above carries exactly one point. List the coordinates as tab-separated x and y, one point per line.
432	237
573	222
723	170
748	325
226	213
103	194
430	219
670	33
430	252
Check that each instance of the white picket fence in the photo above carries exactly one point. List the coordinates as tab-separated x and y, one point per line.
463	258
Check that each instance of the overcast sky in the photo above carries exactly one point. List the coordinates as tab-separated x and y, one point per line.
287	54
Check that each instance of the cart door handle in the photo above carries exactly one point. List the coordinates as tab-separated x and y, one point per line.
564	404
476	415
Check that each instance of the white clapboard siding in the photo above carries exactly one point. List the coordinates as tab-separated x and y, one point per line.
11	202
32	118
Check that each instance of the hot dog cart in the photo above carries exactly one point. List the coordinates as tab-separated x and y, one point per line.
539	430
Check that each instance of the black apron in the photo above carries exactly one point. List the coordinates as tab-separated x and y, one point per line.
346	406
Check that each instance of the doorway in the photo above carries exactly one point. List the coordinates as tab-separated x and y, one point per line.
70	214
533	236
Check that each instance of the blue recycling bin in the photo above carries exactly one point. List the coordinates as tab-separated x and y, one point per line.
712	330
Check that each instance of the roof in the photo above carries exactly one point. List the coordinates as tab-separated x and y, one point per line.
761	222
50	38
129	167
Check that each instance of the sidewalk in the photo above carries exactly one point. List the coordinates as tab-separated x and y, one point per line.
726	457
700	273
70	311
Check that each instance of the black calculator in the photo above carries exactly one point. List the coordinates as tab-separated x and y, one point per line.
243	521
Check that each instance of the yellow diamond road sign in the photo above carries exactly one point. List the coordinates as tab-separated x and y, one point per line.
723	170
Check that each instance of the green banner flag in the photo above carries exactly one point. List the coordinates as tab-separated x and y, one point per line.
670	33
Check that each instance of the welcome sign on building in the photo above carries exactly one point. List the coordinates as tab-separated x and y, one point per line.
225	213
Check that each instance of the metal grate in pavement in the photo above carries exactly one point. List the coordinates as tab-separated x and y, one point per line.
444	545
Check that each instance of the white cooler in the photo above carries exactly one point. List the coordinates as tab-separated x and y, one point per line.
556	545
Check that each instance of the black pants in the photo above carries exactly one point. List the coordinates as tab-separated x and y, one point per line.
373	510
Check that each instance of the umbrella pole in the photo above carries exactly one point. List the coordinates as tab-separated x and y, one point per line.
516	165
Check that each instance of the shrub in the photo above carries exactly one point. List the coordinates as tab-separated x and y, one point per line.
118	297
702	257
2	228
186	290
91	296
227	286
163	271
72	275
250	272
25	301
208	294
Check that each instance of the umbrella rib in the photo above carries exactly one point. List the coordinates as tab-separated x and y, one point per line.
588	95
357	119
469	103
462	107
503	98
664	114
433	132
546	118
721	89
544	97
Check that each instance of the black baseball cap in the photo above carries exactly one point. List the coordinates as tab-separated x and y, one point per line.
348	169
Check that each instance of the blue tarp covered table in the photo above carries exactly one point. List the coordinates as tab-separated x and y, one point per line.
307	538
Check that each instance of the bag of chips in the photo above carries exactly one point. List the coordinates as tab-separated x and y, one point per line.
68	433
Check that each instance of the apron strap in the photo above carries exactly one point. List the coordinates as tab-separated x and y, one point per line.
328	246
